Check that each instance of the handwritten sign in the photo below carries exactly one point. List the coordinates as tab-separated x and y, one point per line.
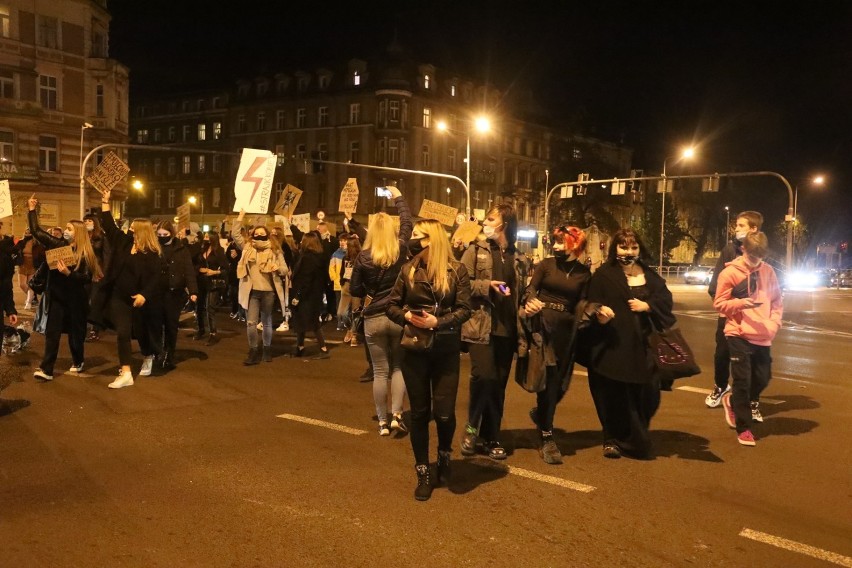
65	254
253	185
349	197
302	221
479	214
108	173
467	231
183	216
5	199
288	201
444	214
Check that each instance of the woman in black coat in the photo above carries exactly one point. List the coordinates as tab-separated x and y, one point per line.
618	357
64	305
211	267
308	283
96	235
178	281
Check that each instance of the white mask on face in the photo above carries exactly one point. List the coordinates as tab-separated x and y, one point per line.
741	235
488	230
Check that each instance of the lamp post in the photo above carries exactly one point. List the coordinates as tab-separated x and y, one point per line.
816	180
685	155
727	223
482	125
193	201
85	126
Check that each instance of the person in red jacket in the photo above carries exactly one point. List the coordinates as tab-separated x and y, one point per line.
749	296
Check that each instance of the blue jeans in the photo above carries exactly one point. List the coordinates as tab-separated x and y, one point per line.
383	336
260	307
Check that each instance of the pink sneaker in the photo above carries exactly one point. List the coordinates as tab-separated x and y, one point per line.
746	438
730	417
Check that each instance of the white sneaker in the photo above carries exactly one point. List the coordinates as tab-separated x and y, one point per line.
260	326
76	368
147	366
714	399
41	375
283	327
124	379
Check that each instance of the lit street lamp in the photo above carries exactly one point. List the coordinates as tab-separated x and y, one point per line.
85	126
816	180
195	200
727	223
482	125
685	155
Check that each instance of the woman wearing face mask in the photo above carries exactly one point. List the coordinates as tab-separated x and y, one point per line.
212	267
432	292
557	292
64	305
618	357
310	274
375	270
96	236
179	279
134	283
498	276
261	270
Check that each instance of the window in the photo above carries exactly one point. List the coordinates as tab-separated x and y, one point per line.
202	163
172	134
279	189
47	91
202	131
427	82
425	157
322	151
577	154
394	111
452	90
301	116
7	146
5	28
217	130
355	113
141	136
261	120
48	32
99	100
280	118
355	152
393	151
7	84
381	150
158	198
172	168
281	154
171	203
427	117
184	106
356	78
324	81
451	159
187	164
262	88
200	104
158	166
185	133
217	196
158	135
99	43
217	164
301	152
303	84
322	116
216	102
241	123
48	153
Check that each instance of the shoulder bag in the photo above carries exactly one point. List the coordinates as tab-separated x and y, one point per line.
673	358
358	315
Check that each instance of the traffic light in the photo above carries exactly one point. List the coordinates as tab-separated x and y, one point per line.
636	185
844	247
710	184
581	189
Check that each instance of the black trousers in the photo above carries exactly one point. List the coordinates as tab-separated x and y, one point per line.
432	381
625	411
548	399
490	365
751	369
170	310
129	322
721	357
59	318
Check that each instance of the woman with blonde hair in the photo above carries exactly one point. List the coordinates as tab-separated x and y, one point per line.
64	305
373	275
432	293
135	285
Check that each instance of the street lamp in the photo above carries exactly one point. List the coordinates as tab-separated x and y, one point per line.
85	126
816	180
481	124
687	154
727	223
194	200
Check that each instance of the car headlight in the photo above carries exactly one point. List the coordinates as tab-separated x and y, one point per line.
802	280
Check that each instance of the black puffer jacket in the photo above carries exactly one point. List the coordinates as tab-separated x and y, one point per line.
180	272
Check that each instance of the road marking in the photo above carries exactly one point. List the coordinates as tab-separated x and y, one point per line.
323	424
520	472
794	546
708	391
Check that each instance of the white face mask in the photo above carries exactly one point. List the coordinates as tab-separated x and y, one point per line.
741	235
488	230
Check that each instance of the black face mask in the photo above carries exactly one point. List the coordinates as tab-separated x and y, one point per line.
260	237
626	259
415	246
560	254
164	240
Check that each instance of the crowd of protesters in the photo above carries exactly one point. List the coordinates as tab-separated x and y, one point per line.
416	301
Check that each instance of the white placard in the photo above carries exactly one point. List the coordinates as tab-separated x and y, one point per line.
5	199
349	197
253	185
302	221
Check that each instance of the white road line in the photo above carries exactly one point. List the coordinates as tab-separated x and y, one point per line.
323	424
794	546
520	472
708	391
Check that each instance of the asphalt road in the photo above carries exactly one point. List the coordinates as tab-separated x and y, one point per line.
217	464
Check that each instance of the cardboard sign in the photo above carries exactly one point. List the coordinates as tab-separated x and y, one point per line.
302	221
108	173
253	185
479	214
65	254
349	197
444	214
467	231
183	216
288	201
5	200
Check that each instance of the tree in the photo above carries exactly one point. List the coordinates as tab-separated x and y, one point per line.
650	227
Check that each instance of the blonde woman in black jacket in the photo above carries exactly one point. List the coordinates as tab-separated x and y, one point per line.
431	292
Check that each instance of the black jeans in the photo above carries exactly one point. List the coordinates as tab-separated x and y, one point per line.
432	381
549	398
625	411
173	303
751	370
58	319
722	357
122	316
489	374
205	312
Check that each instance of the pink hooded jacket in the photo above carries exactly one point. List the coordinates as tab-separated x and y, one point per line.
756	325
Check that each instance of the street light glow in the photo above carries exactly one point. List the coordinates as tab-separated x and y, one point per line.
482	124
137	184
819	180
192	199
441	125
688	153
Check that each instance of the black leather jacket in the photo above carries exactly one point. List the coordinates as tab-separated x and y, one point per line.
413	291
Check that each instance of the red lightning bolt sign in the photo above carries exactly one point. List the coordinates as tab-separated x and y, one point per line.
250	177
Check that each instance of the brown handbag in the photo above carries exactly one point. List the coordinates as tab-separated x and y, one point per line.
417	338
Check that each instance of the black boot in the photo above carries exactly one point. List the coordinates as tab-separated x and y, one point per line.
253	357
424	483
267	354
168	362
444	470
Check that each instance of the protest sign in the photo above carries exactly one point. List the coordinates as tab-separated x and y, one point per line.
109	172
349	197
253	185
288	201
467	231
302	221
5	199
183	216
65	254
444	214
479	214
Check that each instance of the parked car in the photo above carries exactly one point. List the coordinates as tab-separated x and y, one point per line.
698	275
841	278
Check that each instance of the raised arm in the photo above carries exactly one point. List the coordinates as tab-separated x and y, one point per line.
42	236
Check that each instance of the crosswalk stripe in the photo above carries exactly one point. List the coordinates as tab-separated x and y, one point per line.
794	546
323	424
708	391
521	472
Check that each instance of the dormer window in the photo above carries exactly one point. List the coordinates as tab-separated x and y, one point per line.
452	90
356	78
262	88
324	81
427	81
303	84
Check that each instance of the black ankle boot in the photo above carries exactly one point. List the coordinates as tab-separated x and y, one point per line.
168	362
424	483
444	470
253	357
267	354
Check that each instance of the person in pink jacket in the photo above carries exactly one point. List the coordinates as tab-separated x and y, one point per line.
749	296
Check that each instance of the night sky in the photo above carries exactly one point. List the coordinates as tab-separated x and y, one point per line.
757	85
